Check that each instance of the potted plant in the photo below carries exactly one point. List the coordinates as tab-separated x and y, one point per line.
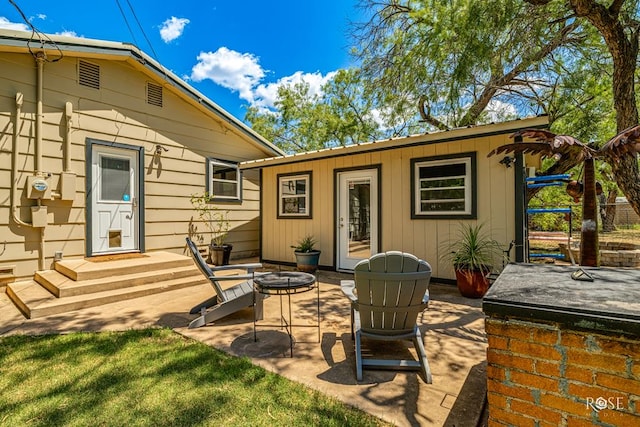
473	255
217	221
307	256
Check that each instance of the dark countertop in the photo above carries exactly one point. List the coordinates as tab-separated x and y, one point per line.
609	304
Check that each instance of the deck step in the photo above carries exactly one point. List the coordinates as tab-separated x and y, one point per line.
35	301
90	269
62	286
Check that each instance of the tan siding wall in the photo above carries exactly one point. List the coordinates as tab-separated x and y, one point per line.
117	112
424	238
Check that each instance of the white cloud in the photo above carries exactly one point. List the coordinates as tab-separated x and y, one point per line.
67	33
8	25
242	73
265	95
499	111
41	16
172	28
239	72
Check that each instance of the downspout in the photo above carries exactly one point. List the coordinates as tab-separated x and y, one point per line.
40	58
68	111
38	148
14	161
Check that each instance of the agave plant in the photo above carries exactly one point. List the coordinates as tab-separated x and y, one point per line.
473	250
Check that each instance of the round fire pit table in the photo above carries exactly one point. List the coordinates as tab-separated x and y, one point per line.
286	283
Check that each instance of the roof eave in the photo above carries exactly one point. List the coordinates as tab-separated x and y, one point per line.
19	41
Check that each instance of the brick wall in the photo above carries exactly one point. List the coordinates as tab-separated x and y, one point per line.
540	374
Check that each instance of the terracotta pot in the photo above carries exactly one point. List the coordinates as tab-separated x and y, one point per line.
472	284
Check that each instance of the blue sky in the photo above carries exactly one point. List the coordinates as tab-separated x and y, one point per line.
236	53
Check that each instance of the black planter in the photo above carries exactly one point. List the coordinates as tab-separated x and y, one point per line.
220	254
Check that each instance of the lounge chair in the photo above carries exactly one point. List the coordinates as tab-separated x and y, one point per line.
225	301
388	292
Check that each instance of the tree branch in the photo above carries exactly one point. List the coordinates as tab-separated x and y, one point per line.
498	82
427	117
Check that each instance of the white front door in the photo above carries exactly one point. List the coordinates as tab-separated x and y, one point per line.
114	207
357	236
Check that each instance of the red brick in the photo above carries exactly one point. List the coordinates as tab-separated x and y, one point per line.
510	391
620	347
538	351
578	373
565	405
509	418
546	424
535	381
497	400
536	411
509	329
619	418
614	382
497	342
496	373
582	391
546	336
494	423
579	422
509	361
572	339
547	368
597	360
635	369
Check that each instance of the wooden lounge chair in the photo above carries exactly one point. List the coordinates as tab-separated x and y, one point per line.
225	301
388	292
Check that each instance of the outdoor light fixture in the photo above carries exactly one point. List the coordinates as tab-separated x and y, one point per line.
507	161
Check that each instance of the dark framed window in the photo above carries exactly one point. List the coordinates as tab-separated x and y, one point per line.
444	186
224	181
294	195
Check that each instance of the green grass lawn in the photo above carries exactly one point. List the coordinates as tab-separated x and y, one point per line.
153	377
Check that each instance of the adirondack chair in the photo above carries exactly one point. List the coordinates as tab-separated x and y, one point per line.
225	301
388	292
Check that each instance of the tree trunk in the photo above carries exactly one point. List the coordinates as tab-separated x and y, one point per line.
622	43
589	247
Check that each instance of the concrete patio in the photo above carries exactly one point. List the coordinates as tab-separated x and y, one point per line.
453	329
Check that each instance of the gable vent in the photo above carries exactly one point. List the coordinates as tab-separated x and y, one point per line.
89	74
154	94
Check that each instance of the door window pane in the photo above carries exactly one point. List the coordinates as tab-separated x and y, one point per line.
359	218
116	179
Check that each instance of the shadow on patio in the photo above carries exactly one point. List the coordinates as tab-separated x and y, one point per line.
453	329
454	337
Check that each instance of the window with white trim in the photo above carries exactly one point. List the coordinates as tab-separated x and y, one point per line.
294	195
444	187
223	180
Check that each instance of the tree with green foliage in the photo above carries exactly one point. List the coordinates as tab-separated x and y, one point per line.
341	114
570	59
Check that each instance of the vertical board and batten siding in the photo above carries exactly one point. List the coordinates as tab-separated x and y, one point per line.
426	238
117	112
